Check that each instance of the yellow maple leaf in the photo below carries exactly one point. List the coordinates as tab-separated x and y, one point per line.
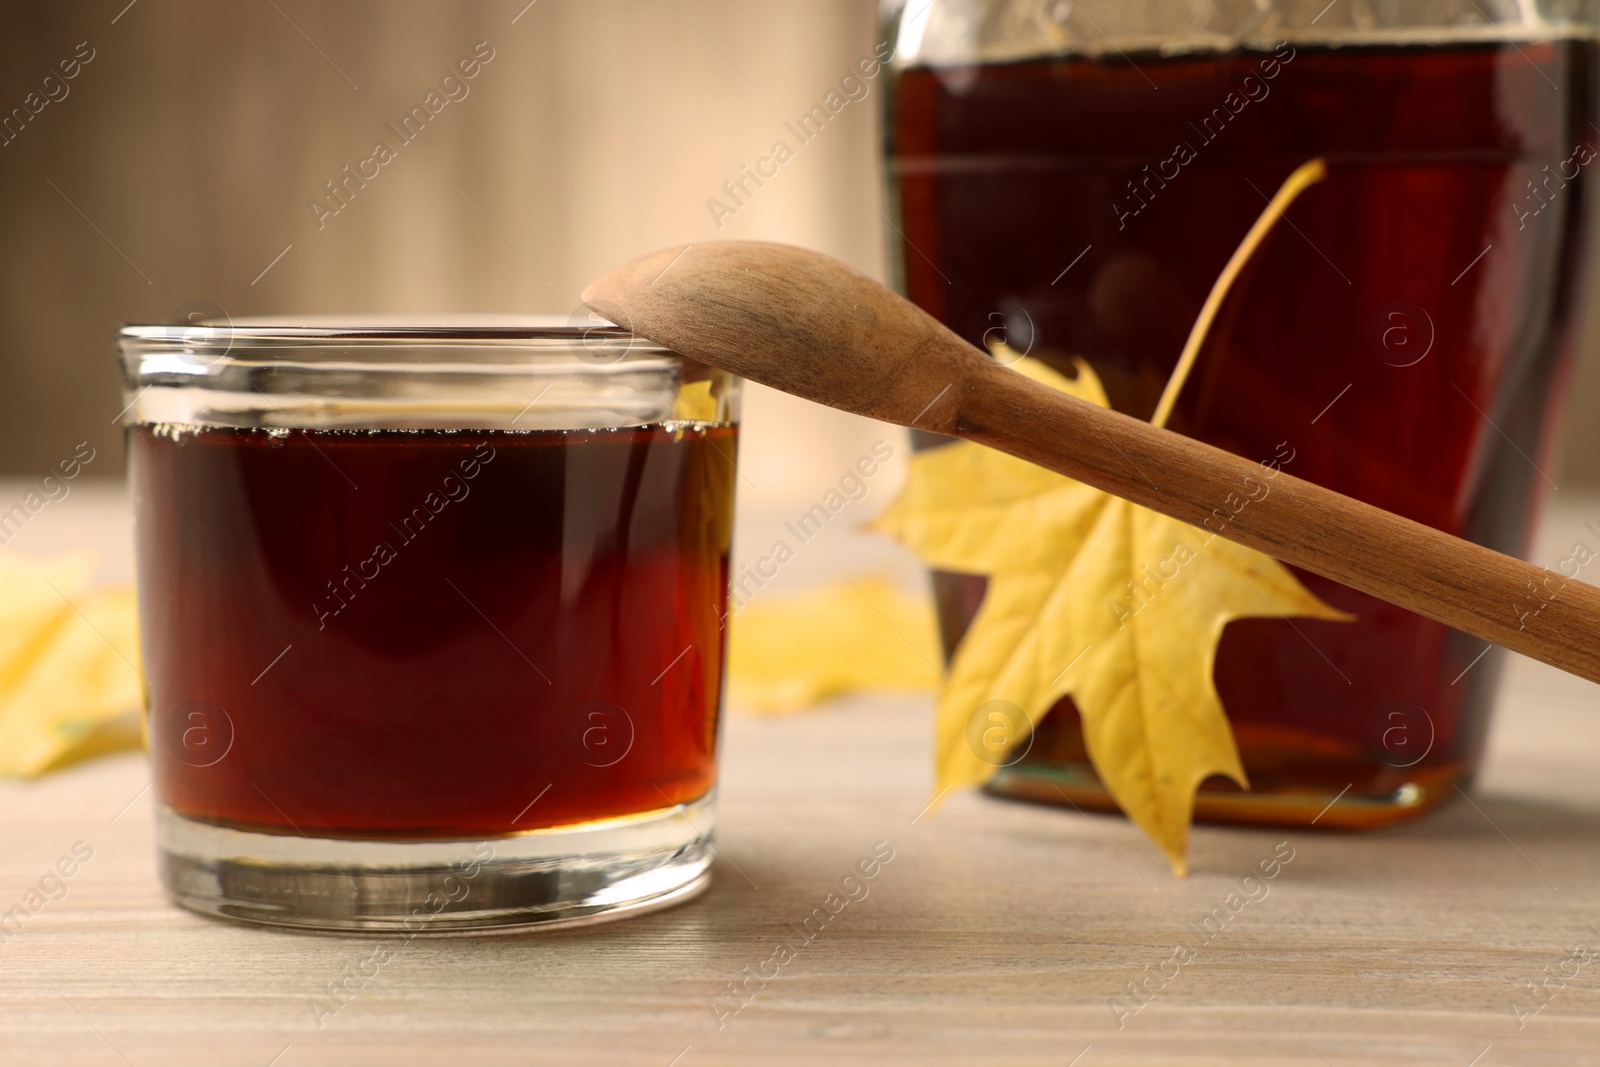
1092	597
695	403
789	651
68	688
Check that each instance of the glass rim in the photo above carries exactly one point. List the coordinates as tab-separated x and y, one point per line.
440	371
307	330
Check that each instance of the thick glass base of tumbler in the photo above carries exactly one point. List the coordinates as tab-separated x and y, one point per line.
544	878
1358	803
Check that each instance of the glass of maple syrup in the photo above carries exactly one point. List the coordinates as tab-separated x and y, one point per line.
431	617
1072	177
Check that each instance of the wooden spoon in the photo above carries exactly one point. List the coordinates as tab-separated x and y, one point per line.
807	324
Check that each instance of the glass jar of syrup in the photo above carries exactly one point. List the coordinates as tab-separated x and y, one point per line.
1072	177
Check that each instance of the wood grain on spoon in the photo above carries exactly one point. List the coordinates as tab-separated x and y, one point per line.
809	325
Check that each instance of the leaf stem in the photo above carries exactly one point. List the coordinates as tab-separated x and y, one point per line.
1307	174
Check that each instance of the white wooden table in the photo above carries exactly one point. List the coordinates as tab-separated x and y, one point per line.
996	935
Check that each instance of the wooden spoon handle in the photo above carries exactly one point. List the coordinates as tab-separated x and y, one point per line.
1525	608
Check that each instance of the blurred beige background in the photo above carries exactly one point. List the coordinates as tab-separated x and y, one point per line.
181	161
180	164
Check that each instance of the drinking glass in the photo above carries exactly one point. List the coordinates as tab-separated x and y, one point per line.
431	617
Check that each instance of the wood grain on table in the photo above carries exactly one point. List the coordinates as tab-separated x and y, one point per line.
999	933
